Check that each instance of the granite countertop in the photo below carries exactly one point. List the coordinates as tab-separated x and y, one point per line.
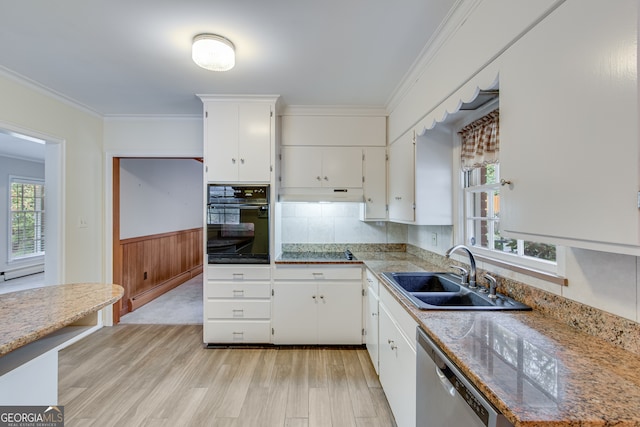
34	313
536	370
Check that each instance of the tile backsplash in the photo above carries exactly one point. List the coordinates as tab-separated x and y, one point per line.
335	223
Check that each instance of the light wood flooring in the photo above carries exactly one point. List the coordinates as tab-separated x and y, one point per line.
160	375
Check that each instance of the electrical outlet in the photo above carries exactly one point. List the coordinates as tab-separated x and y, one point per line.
434	239
82	222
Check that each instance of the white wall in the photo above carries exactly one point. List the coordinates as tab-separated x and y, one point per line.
25	169
80	132
160	196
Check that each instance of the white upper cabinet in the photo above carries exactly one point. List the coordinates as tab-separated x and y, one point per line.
239	137
322	150
374	166
569	129
402	179
420	178
327	167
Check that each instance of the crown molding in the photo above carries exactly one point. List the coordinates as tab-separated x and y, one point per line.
454	20
44	90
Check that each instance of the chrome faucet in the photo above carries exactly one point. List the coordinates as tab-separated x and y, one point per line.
472	263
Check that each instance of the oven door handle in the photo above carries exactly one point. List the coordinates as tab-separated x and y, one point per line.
231	206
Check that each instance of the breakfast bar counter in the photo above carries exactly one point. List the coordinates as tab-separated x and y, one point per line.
35	324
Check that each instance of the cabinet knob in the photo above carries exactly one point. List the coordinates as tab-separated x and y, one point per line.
318	178
398	198
314	297
322	298
369	200
242	161
233	160
326	179
504	182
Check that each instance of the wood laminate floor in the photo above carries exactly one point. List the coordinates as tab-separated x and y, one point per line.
160	375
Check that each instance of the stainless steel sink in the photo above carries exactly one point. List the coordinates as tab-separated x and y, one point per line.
444	291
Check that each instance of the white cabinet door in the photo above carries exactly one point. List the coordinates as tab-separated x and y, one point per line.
221	139
342	167
295	313
375	184
569	129
301	167
254	142
238	141
371	327
397	370
402	179
329	167
340	313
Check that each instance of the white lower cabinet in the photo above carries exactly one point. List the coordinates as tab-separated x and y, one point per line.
317	305
397	359
237	304
371	314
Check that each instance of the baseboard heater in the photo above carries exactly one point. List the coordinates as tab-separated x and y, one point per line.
14	273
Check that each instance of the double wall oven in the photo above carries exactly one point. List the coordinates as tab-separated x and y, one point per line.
237	224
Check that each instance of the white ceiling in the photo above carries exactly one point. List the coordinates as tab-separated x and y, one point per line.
133	57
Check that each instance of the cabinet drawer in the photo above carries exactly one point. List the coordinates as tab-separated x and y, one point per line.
237	273
372	282
313	272
237	309
237	290
220	331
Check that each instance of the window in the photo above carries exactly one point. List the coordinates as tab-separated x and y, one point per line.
26	218
481	182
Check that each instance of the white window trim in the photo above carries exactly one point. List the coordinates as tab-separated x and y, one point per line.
23	180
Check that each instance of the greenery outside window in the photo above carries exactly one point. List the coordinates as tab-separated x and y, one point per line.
26	218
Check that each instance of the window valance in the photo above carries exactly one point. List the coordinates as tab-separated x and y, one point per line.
481	141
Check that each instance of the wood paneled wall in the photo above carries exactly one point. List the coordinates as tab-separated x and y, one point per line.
153	265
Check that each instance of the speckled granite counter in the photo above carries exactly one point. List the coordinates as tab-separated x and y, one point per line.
309	257
32	314
535	369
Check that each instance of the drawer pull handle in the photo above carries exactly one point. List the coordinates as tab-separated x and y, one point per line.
238	313
238	276
238	292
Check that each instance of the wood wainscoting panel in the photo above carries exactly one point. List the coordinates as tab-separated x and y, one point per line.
153	265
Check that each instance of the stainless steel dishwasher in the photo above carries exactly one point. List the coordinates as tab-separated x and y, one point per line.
445	397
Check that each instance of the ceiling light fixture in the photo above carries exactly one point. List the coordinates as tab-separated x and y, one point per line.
213	52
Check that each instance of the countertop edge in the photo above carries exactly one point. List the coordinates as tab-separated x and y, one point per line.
117	291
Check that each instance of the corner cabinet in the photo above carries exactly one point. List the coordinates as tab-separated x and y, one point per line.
421	178
239	138
569	129
316	304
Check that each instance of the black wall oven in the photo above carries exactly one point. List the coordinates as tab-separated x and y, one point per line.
238	224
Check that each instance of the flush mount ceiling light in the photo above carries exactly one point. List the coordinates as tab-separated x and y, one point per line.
213	52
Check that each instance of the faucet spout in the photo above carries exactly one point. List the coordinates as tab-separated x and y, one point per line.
472	262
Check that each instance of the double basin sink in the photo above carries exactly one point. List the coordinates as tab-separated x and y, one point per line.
444	291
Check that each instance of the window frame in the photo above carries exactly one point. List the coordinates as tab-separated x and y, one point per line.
25	181
547	270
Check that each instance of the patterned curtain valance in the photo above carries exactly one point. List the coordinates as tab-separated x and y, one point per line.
481	141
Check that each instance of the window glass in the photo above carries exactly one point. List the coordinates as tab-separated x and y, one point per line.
27	218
